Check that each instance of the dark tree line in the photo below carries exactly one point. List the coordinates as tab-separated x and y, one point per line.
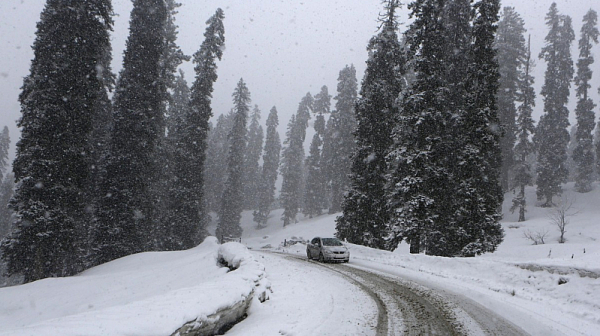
442	127
458	93
444	146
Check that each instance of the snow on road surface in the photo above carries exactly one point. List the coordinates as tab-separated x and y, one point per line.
308	300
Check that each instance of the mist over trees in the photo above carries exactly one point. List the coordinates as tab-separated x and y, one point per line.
339	137
583	155
510	43
552	136
232	201
524	148
292	159
6	185
251	160
315	193
269	171
107	166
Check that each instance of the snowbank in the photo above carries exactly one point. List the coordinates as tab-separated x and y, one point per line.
144	294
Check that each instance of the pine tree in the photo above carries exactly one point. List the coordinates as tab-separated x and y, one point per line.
232	202
446	141
341	137
315	192
216	153
419	179
583	155
172	56
292	159
178	109
251	160
524	146
365	213
552	136
188	205
61	99
510	44
478	213
268	177
127	208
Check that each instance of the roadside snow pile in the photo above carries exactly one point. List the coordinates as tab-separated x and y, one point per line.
153	293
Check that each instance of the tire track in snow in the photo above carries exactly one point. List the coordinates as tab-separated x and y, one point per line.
382	318
408	308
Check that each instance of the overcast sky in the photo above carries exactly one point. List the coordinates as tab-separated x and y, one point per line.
282	48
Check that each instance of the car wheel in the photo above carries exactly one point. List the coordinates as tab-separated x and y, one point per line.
321	258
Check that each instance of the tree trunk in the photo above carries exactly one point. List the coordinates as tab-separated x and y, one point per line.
415	245
522	205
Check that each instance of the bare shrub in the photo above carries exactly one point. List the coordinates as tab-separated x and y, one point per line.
560	216
536	237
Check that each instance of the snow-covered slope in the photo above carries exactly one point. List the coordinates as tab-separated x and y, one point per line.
143	294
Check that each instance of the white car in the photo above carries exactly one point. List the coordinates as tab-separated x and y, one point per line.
327	249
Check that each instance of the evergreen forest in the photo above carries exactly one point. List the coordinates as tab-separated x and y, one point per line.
422	150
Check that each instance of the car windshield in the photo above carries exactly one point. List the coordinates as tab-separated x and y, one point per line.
331	242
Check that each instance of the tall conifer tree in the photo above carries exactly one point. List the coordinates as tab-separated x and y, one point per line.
583	155
64	94
525	128
216	152
447	138
268	177
315	192
232	202
251	160
510	44
341	137
127	207
552	136
292	159
419	178
186	195
477	207
365	215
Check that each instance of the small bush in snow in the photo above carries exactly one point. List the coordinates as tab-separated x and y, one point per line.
536	237
560	215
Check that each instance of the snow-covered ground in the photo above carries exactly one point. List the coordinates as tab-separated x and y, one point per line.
151	293
155	293
520	281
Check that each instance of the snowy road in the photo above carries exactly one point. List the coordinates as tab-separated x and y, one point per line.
405	307
414	309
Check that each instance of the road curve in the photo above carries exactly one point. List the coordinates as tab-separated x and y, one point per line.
408	308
